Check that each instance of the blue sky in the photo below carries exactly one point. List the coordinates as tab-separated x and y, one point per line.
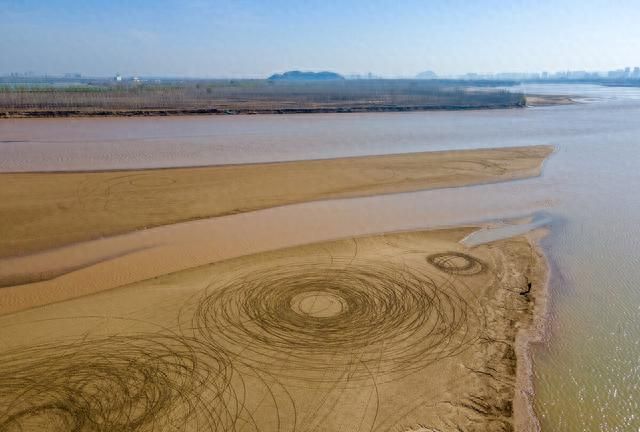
256	38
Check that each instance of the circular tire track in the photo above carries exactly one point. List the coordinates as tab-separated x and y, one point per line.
457	263
118	383
385	319
137	194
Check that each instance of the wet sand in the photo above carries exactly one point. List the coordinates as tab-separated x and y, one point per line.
89	267
45	210
408	331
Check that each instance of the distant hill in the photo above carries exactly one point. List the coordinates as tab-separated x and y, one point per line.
306	76
427	75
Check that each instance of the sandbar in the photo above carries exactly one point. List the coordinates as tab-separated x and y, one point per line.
548	100
408	331
40	211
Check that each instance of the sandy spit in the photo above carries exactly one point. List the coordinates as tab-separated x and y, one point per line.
44	210
548	100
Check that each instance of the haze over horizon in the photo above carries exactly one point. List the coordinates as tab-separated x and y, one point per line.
197	38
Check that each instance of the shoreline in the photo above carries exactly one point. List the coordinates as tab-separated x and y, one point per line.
529	101
525	416
284	162
162	112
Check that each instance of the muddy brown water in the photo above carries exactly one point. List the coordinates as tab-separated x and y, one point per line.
587	372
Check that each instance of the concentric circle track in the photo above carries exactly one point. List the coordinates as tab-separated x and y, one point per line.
457	263
376	318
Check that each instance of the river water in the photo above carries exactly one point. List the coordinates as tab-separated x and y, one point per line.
587	371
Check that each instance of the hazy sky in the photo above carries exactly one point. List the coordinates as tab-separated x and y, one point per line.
256	38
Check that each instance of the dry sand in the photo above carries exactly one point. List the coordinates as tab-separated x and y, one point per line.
398	332
44	210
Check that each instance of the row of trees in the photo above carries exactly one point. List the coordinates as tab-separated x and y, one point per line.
256	95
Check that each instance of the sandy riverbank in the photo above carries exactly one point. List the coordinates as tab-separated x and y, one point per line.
530	100
547	100
405	331
162	112
45	210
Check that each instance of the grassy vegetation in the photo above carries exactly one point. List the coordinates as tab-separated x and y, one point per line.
250	96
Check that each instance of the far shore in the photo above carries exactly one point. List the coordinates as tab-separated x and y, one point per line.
163	112
253	97
530	101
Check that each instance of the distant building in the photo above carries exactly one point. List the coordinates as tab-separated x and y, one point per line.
619	73
577	75
118	78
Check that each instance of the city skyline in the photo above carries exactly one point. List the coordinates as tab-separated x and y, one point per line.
624	73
